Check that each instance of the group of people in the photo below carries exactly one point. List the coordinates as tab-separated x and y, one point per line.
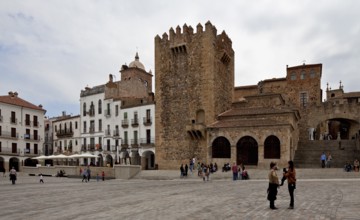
239	172
348	167
289	175
326	160
86	174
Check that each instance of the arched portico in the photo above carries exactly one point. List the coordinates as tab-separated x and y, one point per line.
148	160
247	151
14	162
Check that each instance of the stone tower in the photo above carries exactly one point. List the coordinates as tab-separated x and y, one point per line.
194	83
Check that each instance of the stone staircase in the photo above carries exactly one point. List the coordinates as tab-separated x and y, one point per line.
308	153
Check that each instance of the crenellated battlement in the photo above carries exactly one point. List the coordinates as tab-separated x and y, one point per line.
186	34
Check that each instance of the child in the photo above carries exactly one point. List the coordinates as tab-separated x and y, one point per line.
41	178
283	178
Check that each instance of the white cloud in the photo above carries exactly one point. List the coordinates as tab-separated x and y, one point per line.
50	50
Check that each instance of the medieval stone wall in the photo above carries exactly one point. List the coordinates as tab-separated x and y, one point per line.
194	73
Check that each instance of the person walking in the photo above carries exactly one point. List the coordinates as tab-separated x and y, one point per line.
182	171
88	174
13	174
273	185
291	179
186	169
41	178
84	174
323	159
103	176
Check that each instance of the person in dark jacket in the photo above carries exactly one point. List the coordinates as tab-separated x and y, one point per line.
273	185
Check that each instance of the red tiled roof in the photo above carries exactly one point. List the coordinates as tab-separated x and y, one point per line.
15	100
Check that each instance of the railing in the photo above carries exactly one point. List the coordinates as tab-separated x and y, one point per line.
107	132
134	142
92	112
107	113
31	151
13	120
8	134
91	147
124	142
36	124
32	137
147	141
116	133
91	130
64	133
27	122
147	121
9	151
135	122
125	123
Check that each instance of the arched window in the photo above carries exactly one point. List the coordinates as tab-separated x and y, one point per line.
221	148
272	148
84	109
303	74
293	76
99	106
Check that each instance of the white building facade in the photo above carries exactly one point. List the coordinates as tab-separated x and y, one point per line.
21	131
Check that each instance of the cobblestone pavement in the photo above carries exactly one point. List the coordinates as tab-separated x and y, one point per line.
69	198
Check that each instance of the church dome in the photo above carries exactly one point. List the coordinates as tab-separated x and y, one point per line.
136	63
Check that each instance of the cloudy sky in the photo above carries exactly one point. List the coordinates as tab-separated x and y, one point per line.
50	50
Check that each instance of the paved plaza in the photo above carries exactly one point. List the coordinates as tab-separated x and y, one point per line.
69	198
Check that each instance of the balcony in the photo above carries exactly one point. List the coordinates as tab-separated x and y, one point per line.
125	123
64	133
107	133
92	130
31	137
13	120
9	151
134	142
27	122
9	135
135	122
147	121
91	147
116	133
91	112
147	142
125	143
107	113
32	152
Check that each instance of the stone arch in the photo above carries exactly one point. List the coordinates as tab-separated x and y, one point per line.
100	161
332	127
14	162
221	148
247	151
30	162
148	160
2	164
109	160
272	147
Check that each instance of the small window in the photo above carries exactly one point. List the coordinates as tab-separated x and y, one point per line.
303	74
293	76
303	99
312	74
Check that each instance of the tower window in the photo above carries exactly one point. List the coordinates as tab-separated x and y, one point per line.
303	74
312	74
293	76
303	99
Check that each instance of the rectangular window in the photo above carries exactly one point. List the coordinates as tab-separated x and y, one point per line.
35	119
27	149
116	110
35	149
13	133
100	125
125	137
108	145
27	120
76	125
84	127
36	135
13	117
27	134
14	148
135	137
125	115
293	76
303	99
148	136
0	131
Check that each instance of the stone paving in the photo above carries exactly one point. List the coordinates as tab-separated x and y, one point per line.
69	198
